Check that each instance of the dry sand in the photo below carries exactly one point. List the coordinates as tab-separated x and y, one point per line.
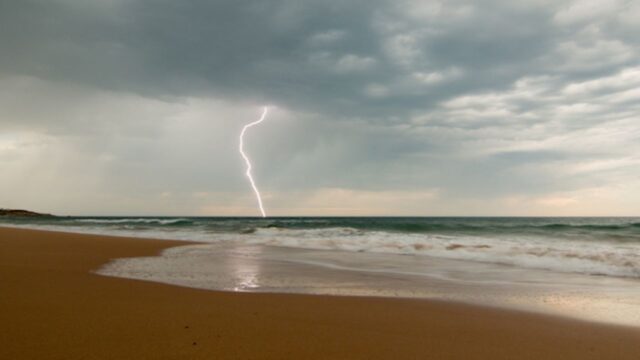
53	307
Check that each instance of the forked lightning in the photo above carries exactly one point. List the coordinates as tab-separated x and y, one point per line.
248	162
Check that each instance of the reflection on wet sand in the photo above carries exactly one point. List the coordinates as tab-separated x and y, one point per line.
244	270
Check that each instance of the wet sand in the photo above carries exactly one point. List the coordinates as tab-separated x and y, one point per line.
53	307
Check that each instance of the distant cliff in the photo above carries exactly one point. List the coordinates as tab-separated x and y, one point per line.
21	213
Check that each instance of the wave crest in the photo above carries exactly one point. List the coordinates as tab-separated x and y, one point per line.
135	221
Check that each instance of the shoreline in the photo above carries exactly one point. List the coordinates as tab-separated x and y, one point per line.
238	266
56	307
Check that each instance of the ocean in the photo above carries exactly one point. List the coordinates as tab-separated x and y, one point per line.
596	246
584	267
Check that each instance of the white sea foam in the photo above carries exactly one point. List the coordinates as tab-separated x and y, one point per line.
589	257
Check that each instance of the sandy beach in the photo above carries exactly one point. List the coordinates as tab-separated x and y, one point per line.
54	307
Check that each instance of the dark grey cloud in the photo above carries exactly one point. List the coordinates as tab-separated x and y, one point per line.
260	50
320	56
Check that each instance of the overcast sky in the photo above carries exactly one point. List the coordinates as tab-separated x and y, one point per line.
381	107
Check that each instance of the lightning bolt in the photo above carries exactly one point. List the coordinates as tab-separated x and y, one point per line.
248	162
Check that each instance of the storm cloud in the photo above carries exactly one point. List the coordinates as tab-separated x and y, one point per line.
382	107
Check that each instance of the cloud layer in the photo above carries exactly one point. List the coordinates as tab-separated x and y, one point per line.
383	107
